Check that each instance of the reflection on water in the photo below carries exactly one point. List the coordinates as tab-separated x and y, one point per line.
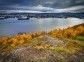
14	26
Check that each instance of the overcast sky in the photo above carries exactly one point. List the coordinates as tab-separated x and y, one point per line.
42	5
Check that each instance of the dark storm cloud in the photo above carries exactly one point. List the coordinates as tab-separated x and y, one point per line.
9	2
42	4
64	3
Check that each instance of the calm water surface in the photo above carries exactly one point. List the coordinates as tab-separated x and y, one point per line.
13	26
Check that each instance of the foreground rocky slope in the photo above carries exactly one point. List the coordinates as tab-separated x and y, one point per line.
47	49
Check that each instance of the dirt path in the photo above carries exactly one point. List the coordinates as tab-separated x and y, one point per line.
54	41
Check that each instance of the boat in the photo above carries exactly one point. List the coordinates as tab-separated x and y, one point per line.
23	18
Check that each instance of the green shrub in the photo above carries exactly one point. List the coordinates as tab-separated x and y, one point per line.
80	38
